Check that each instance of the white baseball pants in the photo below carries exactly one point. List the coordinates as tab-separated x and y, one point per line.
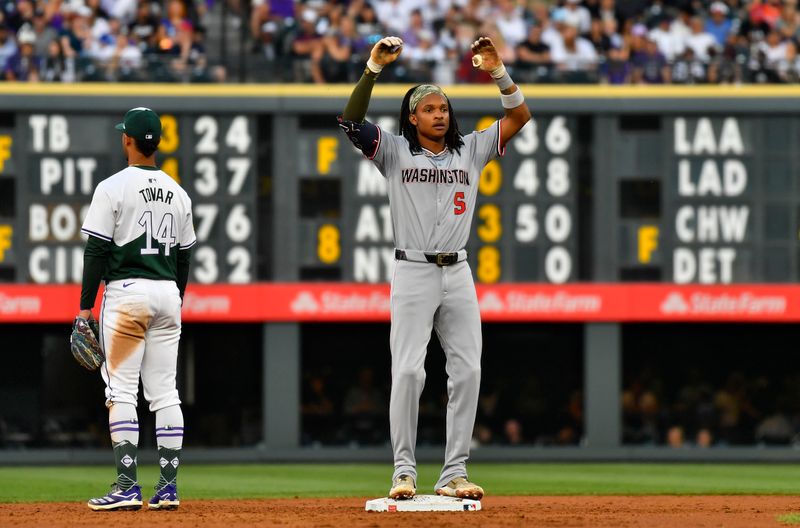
140	323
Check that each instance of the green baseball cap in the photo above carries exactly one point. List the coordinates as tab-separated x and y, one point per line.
141	123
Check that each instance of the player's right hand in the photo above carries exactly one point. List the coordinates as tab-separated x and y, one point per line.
386	50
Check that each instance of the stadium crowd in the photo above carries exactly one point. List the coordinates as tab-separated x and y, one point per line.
327	41
103	40
574	41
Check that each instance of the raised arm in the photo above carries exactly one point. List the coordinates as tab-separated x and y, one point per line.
364	135
486	58
384	52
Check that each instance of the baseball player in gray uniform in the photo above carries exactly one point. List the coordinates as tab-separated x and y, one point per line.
433	172
140	235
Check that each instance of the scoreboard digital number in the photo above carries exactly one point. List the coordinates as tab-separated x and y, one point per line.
524	225
219	175
64	157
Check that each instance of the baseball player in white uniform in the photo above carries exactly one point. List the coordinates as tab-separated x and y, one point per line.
433	173
140	234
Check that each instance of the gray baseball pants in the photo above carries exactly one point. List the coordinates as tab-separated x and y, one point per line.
425	296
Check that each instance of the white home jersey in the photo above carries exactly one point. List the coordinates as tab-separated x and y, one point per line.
147	216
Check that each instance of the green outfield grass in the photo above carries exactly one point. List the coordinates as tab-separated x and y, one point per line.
71	483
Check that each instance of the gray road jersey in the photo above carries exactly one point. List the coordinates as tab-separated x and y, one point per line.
432	196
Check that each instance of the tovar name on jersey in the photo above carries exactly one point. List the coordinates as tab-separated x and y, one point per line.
435	176
156	194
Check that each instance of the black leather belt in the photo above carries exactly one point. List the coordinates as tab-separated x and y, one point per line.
440	259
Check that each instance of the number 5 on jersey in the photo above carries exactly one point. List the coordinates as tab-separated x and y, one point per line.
164	235
460	207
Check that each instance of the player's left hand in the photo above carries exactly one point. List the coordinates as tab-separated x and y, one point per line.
484	55
83	343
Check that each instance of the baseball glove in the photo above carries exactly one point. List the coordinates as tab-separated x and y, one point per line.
84	345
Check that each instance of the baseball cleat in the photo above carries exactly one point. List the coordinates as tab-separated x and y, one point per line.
165	498
118	499
462	488
402	488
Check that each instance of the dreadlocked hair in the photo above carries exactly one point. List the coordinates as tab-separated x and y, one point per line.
452	139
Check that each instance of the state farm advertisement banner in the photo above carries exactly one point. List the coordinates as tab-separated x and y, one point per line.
321	302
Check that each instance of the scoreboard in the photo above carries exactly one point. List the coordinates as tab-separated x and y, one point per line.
701	198
681	187
525	222
58	158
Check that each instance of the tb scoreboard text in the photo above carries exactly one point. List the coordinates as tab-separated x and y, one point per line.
671	196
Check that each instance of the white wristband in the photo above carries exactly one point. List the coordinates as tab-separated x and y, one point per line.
512	100
504	81
373	66
501	77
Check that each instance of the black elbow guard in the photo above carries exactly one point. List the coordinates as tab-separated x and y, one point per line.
365	136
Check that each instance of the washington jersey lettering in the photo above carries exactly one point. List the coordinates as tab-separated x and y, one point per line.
431	196
148	217
435	176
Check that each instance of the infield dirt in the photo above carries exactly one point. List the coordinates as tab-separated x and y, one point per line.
606	511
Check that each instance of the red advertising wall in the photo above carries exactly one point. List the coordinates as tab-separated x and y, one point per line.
322	302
